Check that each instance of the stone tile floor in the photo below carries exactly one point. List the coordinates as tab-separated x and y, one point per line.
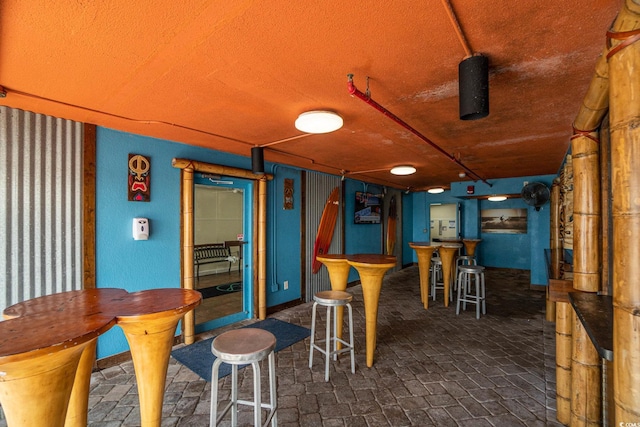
431	368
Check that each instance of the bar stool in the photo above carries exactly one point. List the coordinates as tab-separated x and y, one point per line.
240	347
331	299
460	261
471	275
437	279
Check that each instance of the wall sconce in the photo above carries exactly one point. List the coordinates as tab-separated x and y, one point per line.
257	160
403	170
473	86
318	122
436	190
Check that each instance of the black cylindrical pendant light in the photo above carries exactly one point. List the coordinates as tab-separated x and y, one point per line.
473	81
257	159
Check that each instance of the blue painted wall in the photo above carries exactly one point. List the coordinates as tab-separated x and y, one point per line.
407	228
283	238
137	265
520	251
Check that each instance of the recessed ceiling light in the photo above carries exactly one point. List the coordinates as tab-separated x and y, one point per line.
437	190
403	170
318	122
497	198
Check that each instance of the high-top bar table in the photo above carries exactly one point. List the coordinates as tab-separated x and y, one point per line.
424	251
447	255
84	304
372	269
50	340
470	246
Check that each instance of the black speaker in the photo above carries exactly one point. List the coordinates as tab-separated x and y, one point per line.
473	82
257	160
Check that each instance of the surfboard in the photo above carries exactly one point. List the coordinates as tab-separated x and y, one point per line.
325	228
391	226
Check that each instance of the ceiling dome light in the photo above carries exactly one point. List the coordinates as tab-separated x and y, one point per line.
437	190
318	122
403	170
497	198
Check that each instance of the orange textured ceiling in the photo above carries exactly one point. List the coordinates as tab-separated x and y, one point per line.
231	74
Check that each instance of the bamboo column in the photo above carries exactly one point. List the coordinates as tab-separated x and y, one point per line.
262	248
586	211
624	101
586	378
189	323
563	362
555	243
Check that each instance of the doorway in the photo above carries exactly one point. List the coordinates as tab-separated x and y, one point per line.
221	236
444	221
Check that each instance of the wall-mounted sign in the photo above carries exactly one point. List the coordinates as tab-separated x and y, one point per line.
139	178
288	193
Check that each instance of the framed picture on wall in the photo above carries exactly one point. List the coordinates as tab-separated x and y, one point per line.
509	221
368	208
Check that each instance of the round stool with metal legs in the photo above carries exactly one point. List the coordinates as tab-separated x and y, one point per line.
460	261
437	281
242	347
468	277
331	299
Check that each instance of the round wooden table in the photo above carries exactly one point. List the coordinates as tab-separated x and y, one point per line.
448	253
50	341
372	269
424	251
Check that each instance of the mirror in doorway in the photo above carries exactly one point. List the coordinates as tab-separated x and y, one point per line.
218	250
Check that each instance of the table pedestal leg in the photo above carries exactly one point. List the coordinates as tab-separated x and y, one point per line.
45	381
79	401
447	254
424	265
371	279
150	341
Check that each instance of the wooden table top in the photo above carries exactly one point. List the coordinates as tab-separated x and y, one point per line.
372	259
39	334
331	257
52	322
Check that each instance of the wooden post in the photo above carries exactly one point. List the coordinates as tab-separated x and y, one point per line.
555	243
262	249
586	378
189	324
563	362
624	101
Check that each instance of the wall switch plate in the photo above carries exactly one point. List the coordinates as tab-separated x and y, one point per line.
286	285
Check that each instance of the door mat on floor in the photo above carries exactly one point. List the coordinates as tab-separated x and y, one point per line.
224	289
199	359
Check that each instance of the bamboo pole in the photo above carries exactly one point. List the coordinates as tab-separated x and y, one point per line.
563	362
262	249
586	378
555	243
624	101
586	212
605	205
189	323
218	169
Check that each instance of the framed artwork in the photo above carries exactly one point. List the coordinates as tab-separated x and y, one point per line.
288	193
368	208
509	221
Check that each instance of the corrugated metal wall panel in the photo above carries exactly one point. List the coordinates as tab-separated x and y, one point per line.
40	205
319	186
